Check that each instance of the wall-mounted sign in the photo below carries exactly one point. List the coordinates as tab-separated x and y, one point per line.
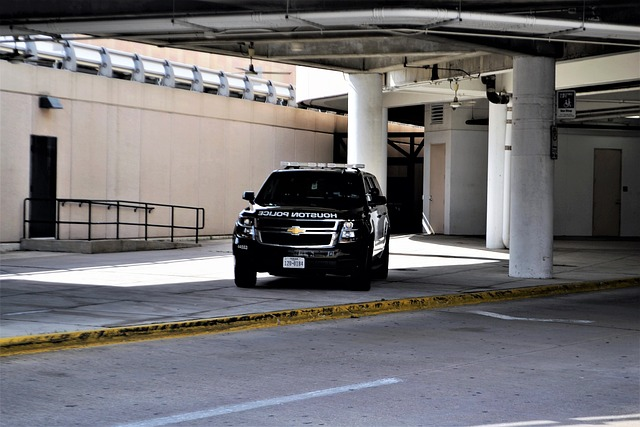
566	104
554	142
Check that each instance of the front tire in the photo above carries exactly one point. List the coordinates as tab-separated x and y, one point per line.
360	280
382	272
244	274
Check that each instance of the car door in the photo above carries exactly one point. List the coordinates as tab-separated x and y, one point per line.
378	211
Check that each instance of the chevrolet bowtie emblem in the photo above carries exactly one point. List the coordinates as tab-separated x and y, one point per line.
295	230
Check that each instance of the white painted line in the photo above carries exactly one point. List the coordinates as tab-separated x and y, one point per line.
601	419
530	319
521	424
609	418
18	313
229	409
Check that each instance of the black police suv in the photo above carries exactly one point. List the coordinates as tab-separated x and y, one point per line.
311	219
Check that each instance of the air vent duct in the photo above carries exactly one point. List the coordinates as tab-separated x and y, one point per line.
437	114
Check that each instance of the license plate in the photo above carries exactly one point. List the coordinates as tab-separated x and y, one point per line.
292	262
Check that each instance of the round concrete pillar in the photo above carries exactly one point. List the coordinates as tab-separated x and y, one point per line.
531	242
367	143
495	174
506	203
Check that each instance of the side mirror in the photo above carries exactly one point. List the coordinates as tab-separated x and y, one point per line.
377	200
249	196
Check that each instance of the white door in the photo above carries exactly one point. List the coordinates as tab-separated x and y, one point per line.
437	177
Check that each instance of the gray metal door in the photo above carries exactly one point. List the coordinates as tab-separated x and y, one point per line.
607	172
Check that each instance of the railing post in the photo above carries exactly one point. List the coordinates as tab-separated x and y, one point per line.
57	219
197	223
146	221
24	218
118	219
89	223
172	211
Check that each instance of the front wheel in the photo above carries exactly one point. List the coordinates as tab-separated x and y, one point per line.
360	280
382	272
245	274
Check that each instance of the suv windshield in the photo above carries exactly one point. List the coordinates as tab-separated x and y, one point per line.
330	189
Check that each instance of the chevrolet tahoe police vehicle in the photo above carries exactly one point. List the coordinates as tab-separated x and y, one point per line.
314	219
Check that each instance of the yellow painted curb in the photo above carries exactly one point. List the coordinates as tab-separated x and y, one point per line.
58	341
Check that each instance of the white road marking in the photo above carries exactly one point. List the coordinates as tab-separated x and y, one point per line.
222	410
609	418
605	420
18	313
530	319
521	424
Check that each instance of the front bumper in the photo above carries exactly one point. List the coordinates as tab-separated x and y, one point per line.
342	259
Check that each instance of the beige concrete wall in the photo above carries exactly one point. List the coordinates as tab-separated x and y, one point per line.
15	128
118	139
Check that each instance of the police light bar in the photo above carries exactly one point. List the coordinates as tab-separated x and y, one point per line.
321	165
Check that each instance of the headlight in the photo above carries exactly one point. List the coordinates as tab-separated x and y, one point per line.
348	233
245	227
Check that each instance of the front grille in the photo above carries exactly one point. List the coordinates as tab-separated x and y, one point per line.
288	239
296	232
267	223
322	263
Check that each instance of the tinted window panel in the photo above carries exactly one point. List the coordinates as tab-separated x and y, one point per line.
329	189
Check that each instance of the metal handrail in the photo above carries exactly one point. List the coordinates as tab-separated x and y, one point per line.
148	207
73	56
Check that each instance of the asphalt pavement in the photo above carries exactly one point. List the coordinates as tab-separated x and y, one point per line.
53	299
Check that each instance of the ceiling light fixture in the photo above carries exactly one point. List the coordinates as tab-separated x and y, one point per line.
455	104
47	102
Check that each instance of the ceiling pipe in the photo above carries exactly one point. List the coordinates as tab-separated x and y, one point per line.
493	96
425	19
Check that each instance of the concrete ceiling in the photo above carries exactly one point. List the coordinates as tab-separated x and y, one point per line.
405	40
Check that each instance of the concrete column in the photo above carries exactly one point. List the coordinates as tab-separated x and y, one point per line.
506	203
426	177
531	242
382	174
366	142
495	175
